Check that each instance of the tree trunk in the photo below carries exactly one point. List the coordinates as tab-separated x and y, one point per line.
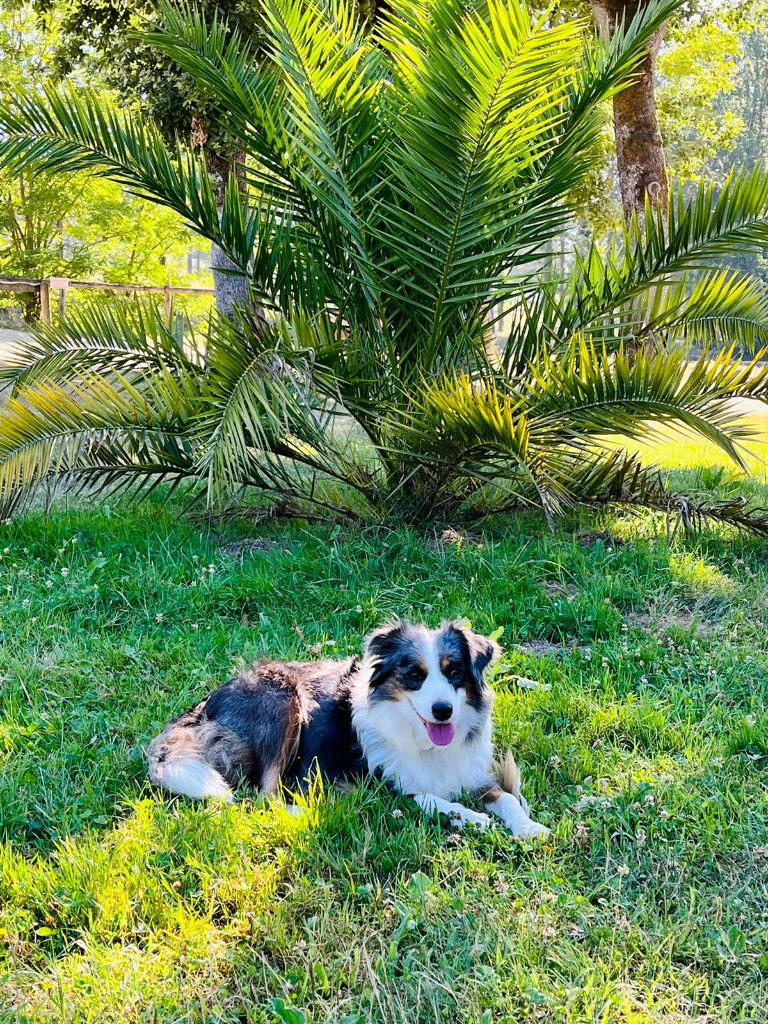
30	307
639	147
229	282
230	286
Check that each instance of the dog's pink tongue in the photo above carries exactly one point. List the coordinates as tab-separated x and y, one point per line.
441	733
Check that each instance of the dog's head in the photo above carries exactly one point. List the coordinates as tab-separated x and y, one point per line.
432	678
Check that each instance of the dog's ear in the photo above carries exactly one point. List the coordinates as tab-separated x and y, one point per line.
481	650
382	647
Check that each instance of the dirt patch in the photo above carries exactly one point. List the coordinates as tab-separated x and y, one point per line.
555	589
545	648
669	619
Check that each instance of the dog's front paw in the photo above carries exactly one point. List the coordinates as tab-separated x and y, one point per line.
460	818
531	830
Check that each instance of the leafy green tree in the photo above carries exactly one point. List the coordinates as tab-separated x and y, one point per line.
748	102
109	37
400	188
127	239
33	207
77	225
697	76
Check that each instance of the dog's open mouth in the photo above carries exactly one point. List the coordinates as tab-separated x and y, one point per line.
441	733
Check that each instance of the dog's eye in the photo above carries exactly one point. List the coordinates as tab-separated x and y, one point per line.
415	675
455	673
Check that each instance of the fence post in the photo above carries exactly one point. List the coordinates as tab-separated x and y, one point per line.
168	304
62	285
44	291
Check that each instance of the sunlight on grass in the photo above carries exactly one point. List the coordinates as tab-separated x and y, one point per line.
700	577
672	448
641	735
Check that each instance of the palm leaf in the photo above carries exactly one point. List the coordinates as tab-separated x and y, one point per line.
66	130
100	339
609	291
589	393
49	429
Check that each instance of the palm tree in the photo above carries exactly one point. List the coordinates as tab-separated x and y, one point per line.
400	187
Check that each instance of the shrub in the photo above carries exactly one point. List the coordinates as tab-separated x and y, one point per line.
399	186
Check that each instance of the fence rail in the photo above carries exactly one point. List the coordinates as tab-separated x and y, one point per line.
502	316
45	286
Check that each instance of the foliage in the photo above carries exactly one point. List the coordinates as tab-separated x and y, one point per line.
705	65
127	239
108	37
633	693
697	74
33	207
748	101
78	225
401	187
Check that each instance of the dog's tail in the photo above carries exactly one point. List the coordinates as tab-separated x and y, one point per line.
508	775
187	775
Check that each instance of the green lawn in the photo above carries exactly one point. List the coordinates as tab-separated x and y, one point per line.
674	449
644	748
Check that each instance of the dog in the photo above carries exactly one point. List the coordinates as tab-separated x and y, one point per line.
415	711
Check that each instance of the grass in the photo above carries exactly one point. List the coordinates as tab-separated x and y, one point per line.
644	747
678	450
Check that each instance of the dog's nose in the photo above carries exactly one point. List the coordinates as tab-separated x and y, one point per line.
441	711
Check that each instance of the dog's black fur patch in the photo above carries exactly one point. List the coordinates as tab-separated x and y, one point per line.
275	721
471	654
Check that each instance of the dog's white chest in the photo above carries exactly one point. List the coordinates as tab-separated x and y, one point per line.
441	771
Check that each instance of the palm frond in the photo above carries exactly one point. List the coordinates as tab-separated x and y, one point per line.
50	429
619	478
464	429
496	119
605	68
609	292
333	91
479	97
66	130
100	339
590	392
717	308
261	411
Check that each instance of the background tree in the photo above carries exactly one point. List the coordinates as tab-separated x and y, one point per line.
748	101
76	225
705	108
698	68
105	37
640	159
35	207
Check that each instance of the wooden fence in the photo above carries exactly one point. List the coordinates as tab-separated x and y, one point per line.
502	316
44	288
